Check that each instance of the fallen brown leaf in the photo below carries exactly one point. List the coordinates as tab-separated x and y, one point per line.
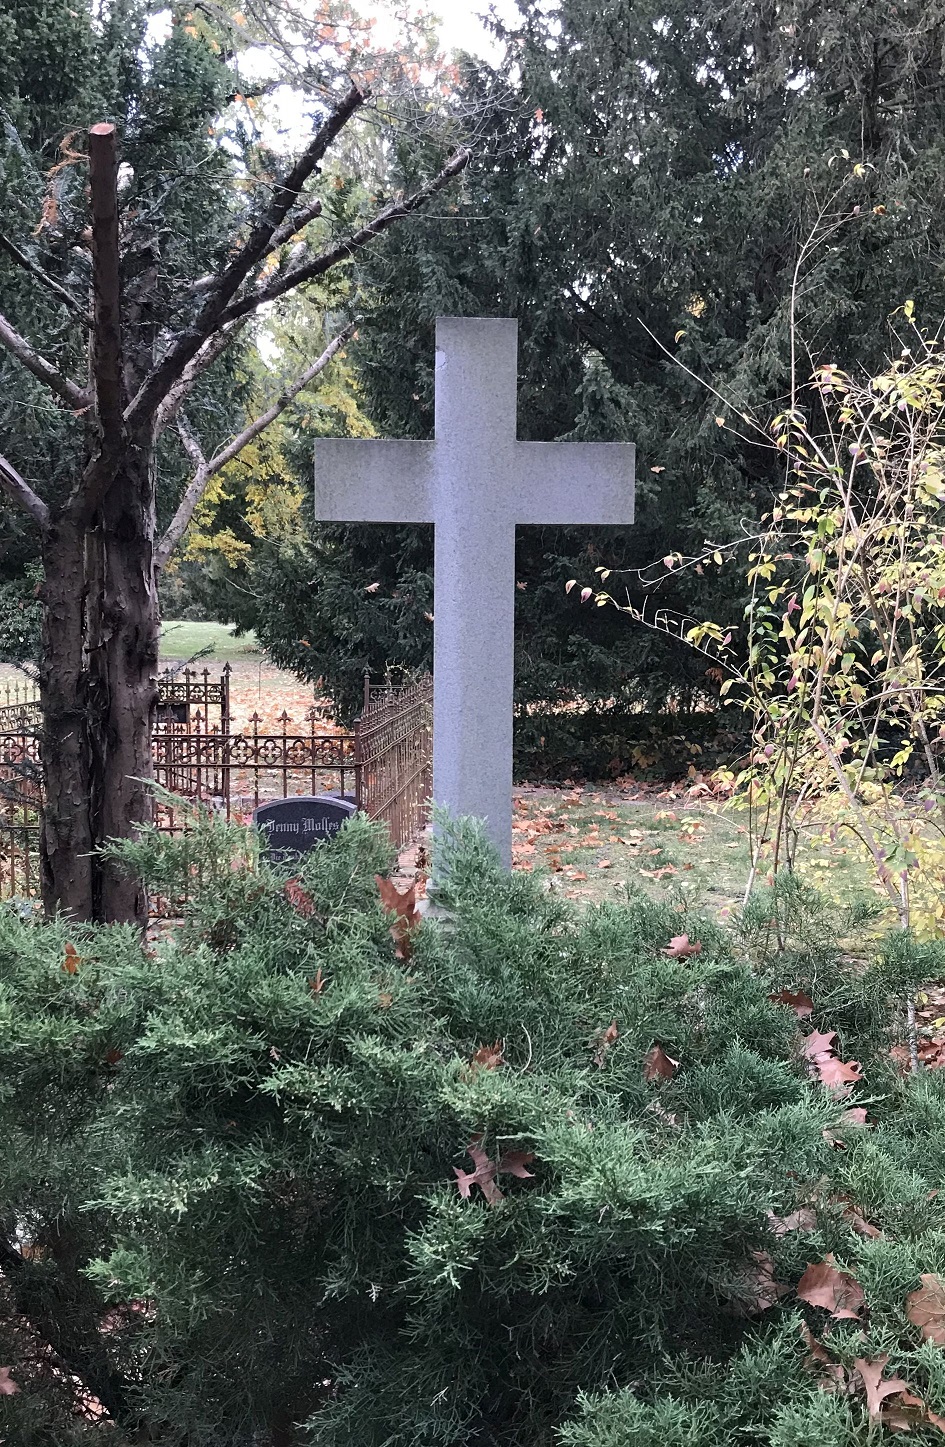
758	1290
871	1375
819	1043
299	898
925	1308
657	1065
836	1291
404	906
489	1057
803	1220
604	1041
796	1000
680	947
486	1170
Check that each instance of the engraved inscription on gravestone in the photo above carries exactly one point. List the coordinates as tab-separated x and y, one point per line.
291	827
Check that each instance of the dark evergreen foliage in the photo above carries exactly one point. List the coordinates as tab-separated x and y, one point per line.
646	171
230	1197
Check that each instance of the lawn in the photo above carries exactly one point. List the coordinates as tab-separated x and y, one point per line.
595	842
214	642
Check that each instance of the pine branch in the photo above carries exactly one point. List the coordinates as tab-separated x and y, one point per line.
35	270
204	470
244	258
391	214
20	492
65	389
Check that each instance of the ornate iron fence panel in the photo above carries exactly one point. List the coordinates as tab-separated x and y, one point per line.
235	773
21	800
182	691
395	753
385	765
19	706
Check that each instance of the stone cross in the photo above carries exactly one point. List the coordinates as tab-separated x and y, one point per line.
475	483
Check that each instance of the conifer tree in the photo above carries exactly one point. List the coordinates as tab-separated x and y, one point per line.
643	190
121	304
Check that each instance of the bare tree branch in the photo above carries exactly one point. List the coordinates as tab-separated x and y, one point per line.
20	492
295	223
34	269
62	386
279	237
396	211
204	470
244	258
212	348
193	493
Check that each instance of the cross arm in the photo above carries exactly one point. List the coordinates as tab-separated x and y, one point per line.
373	481
566	483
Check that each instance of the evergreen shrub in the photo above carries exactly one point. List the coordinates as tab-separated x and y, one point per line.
292	1175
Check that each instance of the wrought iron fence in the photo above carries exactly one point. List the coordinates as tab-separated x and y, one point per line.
394	749
385	764
235	773
19	706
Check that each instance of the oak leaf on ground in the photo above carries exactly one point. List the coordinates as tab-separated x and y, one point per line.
299	898
404	906
836	1291
804	1219
925	1308
797	1000
871	1375
605	1039
657	1065
488	1057
681	947
759	1289
907	1412
485	1171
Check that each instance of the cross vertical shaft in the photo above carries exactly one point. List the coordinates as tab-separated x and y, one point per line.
474	571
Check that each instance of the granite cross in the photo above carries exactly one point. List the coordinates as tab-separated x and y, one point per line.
475	483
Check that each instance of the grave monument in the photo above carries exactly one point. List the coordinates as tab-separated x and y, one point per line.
291	827
475	482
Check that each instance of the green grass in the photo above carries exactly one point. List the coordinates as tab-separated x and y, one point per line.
186	639
597	844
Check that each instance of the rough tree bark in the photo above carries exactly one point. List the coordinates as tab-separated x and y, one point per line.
100	552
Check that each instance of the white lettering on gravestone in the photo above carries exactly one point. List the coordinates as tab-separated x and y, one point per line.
475	483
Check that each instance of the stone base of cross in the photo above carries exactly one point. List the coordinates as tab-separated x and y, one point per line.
475	482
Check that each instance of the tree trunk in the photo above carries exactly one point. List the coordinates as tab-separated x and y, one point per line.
124	666
66	839
98	692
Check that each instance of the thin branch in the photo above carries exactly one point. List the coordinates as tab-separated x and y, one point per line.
391	214
279	237
44	371
256	246
20	492
204	470
34	269
212	348
194	492
295	223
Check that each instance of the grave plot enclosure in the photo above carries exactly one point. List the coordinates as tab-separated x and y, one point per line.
384	763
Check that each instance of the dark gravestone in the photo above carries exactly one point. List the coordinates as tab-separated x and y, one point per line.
291	827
